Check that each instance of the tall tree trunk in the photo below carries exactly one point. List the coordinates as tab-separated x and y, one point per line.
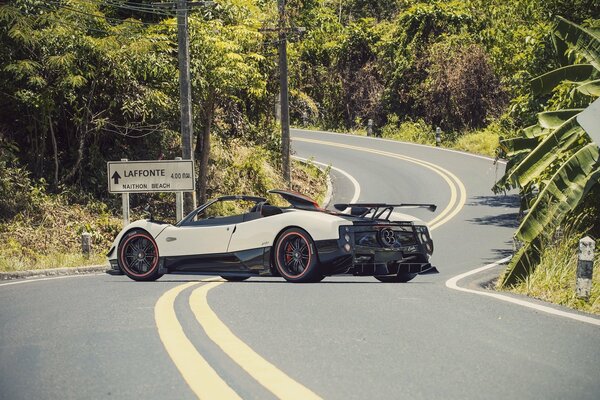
203	150
55	149
76	166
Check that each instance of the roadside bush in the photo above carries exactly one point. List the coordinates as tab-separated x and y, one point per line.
50	236
461	90
485	141
16	187
408	131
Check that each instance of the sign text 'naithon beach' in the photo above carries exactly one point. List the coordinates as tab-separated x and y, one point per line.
150	176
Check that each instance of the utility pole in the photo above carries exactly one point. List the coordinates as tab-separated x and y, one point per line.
185	94
285	107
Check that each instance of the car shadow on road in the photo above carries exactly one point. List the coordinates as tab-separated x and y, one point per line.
263	281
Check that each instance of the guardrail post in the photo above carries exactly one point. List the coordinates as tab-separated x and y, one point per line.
86	244
125	201
370	127
438	136
178	202
585	268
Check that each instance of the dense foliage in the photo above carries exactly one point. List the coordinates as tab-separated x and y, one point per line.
454	64
86	81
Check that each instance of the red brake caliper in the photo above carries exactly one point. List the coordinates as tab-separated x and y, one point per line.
288	250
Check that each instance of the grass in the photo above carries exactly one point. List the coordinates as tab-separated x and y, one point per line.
50	237
53	260
484	142
554	278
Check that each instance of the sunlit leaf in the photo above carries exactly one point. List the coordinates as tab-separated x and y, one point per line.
554	119
545	83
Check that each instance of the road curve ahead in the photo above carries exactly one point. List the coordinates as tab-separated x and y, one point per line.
345	338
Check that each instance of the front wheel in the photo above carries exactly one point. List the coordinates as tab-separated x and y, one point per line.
401	277
138	256
295	257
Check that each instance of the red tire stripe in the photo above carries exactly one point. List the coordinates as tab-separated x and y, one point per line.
123	251
281	269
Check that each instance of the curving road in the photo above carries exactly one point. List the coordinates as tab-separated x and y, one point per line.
102	336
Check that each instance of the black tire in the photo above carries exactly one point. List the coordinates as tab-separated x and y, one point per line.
235	278
401	277
138	256
295	257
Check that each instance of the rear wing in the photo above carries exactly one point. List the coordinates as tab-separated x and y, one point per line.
379	209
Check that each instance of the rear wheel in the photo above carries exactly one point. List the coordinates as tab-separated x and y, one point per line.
401	277
138	256
295	257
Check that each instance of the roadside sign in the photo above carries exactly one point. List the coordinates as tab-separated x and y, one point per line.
151	176
589	119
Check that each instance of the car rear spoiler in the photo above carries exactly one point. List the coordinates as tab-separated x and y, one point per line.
378	209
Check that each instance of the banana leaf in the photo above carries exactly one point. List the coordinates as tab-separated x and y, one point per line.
591	88
518	145
554	119
548	151
545	83
504	184
534	131
585	41
562	193
522	263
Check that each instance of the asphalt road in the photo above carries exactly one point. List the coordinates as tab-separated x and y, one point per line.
98	336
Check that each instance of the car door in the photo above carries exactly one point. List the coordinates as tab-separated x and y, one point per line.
204	237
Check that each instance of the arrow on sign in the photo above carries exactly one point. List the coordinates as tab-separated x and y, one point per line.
116	177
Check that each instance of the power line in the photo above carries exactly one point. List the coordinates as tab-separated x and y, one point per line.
104	17
52	16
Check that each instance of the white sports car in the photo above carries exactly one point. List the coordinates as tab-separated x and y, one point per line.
301	242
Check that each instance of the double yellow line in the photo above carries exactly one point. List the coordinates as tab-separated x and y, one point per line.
458	193
202	379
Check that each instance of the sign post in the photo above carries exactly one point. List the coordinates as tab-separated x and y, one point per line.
178	202
127	177
125	201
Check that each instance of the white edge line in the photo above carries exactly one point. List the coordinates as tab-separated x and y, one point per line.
452	284
347	175
409	143
31	280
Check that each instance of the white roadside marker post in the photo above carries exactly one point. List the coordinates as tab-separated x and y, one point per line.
585	268
178	202
125	199
86	244
438	136
370	127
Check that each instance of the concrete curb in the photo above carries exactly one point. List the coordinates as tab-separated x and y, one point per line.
39	273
